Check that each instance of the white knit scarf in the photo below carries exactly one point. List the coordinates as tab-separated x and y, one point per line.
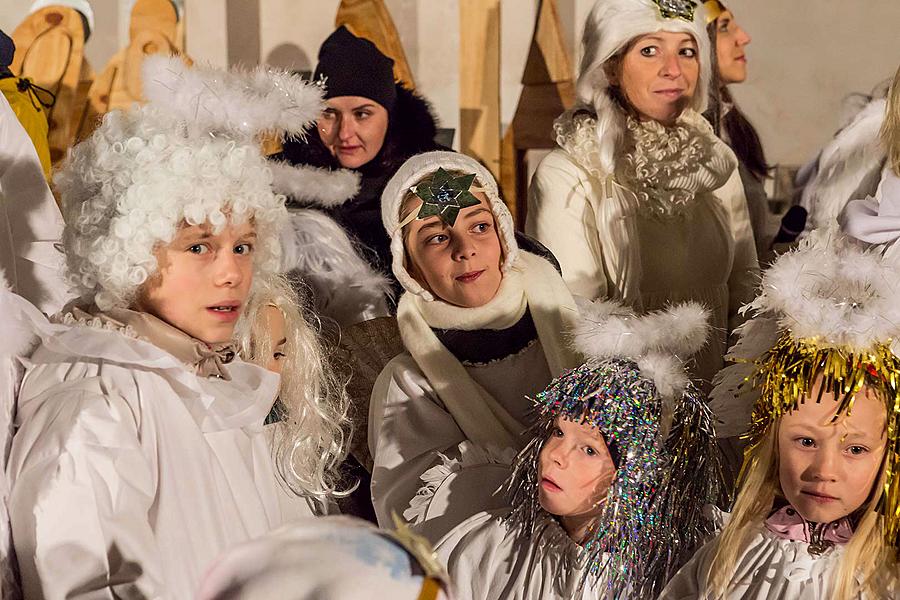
531	284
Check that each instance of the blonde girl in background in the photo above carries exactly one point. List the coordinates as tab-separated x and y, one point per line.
817	514
309	423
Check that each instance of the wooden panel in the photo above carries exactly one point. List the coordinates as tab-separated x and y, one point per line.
370	19
548	90
548	60
154	15
50	51
479	81
154	29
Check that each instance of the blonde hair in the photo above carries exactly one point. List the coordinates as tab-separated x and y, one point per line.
868	565
890	130
312	428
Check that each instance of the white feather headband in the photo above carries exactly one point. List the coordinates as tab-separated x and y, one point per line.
830	292
235	103
833	291
658	342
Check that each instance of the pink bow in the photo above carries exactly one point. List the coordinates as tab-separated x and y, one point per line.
787	524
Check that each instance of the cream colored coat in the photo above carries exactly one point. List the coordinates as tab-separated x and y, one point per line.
129	474
426	470
707	255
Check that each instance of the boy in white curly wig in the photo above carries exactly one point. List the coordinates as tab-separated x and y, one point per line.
141	452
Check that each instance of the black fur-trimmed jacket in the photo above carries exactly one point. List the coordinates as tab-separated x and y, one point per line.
411	130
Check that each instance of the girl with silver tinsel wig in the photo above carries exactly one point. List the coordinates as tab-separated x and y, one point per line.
141	451
606	499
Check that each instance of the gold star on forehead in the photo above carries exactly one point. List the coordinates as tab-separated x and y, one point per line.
677	9
444	196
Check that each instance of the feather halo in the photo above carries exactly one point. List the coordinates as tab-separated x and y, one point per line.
237	103
656	341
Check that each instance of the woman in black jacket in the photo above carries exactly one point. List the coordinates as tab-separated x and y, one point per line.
371	125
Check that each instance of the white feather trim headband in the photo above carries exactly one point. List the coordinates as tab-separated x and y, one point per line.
830	293
658	342
413	172
236	103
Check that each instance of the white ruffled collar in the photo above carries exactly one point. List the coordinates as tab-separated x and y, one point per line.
243	402
665	167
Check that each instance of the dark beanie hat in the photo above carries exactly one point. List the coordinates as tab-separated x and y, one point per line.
7	50
353	66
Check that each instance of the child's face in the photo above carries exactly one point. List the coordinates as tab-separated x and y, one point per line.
827	470
459	264
203	280
274	320
575	470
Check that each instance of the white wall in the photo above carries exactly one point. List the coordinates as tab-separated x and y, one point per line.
805	57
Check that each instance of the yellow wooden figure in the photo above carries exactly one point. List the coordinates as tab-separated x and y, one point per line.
155	29
30	104
50	52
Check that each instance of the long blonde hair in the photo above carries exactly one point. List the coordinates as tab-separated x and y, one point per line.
868	565
312	428
890	131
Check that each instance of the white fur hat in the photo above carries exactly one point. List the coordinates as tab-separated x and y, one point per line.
609	28
412	172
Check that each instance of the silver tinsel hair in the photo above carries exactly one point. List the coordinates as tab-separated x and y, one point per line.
652	519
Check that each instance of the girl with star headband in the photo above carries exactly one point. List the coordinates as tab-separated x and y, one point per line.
606	500
815	391
484	325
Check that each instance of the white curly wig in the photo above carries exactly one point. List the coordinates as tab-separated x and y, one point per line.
312	431
188	157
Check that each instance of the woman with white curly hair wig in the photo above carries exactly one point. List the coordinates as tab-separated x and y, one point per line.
141	452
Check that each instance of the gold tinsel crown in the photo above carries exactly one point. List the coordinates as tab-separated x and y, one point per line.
828	311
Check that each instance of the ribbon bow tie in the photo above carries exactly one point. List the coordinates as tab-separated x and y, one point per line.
873	221
786	523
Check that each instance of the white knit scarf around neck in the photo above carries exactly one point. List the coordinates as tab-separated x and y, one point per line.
666	167
532	284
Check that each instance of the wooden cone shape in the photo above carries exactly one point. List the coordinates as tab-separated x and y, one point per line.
154	29
371	20
50	52
548	90
479	82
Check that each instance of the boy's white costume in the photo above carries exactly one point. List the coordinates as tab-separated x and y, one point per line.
141	453
30	222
